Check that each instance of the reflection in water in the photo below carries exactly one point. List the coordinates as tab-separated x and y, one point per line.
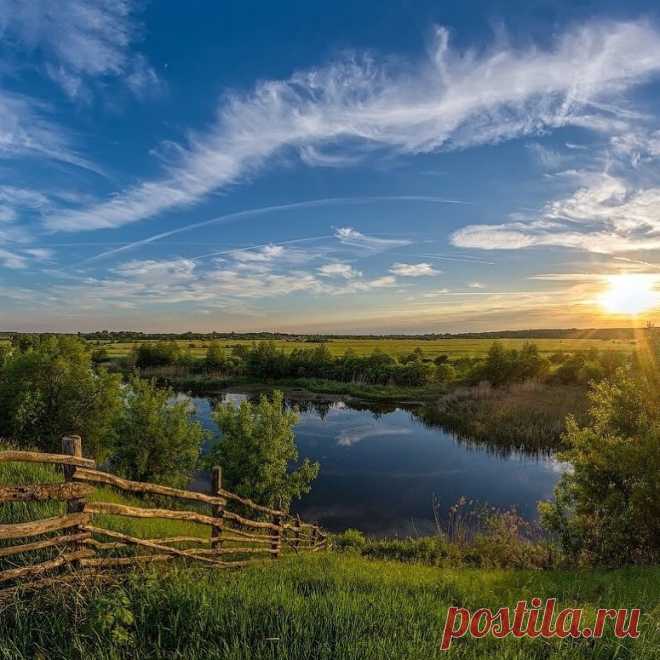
382	466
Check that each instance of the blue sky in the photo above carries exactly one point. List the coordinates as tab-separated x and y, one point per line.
385	166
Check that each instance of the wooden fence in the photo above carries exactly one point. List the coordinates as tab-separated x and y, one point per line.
241	531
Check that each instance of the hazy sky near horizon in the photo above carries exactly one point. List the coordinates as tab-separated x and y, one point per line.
388	166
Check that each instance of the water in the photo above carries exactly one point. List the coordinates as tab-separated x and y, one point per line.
382	468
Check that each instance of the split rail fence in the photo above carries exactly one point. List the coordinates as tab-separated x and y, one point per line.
241	531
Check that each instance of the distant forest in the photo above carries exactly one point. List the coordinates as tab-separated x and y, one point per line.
539	333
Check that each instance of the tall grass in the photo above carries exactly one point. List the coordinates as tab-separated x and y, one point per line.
528	416
322	606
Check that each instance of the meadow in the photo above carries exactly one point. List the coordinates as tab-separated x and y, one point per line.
454	348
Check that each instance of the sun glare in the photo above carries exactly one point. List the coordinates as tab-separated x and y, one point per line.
631	294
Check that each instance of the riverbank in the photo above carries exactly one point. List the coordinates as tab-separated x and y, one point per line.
307	388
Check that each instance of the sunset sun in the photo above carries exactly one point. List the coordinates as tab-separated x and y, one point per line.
631	294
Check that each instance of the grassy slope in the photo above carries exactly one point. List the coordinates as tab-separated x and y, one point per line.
322	606
329	605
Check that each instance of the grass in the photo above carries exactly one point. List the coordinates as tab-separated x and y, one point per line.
327	605
526	416
319	606
455	348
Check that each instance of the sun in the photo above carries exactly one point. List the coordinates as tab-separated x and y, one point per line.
630	294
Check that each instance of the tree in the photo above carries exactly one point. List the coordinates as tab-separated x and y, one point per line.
50	389
216	358
157	439
256	450
607	507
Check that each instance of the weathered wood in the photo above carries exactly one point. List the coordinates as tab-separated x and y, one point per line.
228	538
99	545
192	516
98	477
110	562
231	551
219	510
267	538
276	545
230	515
37	569
246	501
132	540
182	539
43	526
72	445
38	457
42	492
298	534
138	512
40	545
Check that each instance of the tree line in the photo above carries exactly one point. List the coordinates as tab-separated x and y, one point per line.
266	361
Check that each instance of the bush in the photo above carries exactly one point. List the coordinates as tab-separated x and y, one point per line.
256	450
350	539
50	389
158	440
607	507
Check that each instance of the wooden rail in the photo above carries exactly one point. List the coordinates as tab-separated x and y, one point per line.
81	537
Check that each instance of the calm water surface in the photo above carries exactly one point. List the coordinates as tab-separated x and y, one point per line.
382	469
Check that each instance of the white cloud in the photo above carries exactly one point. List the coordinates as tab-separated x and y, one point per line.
414	270
606	216
476	285
80	40
453	100
354	238
266	253
154	271
548	159
26	132
339	270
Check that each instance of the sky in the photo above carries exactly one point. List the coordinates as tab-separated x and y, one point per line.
369	167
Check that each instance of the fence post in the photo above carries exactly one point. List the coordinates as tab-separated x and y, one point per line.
72	446
276	544
218	509
296	543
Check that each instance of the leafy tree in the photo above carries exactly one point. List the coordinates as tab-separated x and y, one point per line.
158	354
607	507
256	450
157	439
50	389
216	358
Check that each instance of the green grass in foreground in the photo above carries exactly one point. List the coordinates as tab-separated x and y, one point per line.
319	606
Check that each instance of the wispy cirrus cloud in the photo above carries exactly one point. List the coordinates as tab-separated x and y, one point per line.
355	238
608	215
453	100
79	40
26	131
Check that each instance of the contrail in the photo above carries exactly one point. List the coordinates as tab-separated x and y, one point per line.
230	217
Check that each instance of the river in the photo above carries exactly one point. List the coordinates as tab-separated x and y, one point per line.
383	467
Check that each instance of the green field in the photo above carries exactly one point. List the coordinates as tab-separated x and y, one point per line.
432	347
